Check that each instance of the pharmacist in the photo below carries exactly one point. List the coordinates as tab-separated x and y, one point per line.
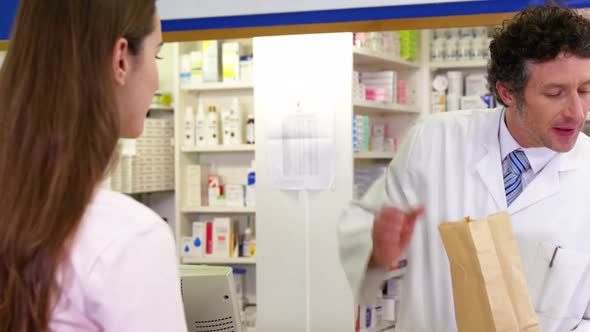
528	157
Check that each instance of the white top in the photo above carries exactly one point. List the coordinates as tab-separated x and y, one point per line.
122	272
538	157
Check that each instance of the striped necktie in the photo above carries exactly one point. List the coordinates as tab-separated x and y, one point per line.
513	166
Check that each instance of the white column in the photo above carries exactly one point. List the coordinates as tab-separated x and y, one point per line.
301	285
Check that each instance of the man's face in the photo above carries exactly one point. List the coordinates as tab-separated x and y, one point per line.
556	101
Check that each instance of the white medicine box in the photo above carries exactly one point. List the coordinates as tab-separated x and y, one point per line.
189	249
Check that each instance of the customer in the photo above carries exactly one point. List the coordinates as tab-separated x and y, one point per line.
79	75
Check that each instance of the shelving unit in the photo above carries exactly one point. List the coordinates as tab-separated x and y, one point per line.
397	118
219	86
372	107
161	108
464	64
220	261
219	210
367	57
220	149
236	157
232	162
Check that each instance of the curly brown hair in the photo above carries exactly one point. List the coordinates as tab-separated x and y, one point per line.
536	34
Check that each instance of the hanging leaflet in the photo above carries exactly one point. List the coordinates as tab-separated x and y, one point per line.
302	149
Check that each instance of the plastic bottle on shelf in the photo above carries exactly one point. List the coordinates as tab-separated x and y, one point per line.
196	73
212	126
232	124
438	49
214	186
250	129
440	34
478	49
251	186
185	70
481	32
189	127
240	281
464	50
453	33
201	127
451	49
466	32
247	238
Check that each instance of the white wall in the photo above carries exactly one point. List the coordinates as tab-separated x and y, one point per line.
167	68
164	203
301	285
177	9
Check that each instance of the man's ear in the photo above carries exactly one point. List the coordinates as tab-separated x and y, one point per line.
507	96
120	63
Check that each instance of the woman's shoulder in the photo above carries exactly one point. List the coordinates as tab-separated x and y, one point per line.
112	207
112	223
118	242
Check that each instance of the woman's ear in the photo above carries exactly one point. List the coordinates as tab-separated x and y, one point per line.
120	61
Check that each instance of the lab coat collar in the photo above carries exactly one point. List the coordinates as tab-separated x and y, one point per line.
545	183
489	165
574	159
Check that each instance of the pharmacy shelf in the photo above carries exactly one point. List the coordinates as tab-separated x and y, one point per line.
373	155
220	209
147	192
219	86
220	260
220	148
373	107
366	57
463	64
154	107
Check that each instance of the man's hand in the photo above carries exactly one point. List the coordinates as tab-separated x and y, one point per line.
392	231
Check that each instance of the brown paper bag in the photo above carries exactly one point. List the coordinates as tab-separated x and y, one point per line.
489	285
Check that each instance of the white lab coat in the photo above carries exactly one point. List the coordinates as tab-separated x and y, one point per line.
451	163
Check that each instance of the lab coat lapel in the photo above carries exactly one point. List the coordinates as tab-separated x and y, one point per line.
547	182
489	167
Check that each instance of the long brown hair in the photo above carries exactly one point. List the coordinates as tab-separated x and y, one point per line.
59	126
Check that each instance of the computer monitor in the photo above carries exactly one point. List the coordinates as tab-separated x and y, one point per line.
209	296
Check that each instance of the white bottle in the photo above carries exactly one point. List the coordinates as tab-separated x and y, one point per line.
185	70
189	127
212	126
225	126
250	129
251	186
233	133
247	239
201	127
196	72
210	60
